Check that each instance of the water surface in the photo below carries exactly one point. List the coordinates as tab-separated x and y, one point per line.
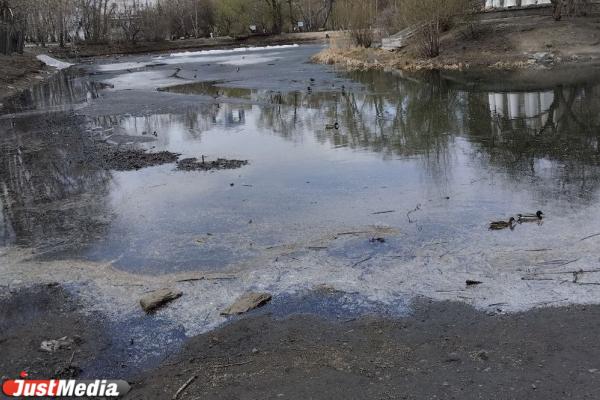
424	162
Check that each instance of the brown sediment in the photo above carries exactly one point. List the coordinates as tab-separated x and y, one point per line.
443	350
19	72
133	159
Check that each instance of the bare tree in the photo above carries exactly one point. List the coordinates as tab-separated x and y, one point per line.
429	17
130	21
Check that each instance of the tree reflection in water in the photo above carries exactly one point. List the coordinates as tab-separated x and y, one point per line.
543	141
542	138
50	192
547	139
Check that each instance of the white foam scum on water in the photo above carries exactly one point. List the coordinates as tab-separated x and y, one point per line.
231	51
53	62
514	279
239	56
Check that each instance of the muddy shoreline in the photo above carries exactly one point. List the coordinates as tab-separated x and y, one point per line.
20	72
442	349
368	266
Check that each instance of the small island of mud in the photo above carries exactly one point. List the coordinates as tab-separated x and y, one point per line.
193	164
134	159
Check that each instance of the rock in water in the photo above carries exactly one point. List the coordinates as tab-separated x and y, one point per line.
158	298
247	302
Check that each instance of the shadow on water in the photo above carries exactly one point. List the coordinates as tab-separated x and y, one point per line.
401	142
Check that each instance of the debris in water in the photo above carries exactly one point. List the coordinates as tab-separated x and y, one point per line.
183	387
377	240
193	164
158	298
247	302
471	282
53	345
384	212
207	276
417	208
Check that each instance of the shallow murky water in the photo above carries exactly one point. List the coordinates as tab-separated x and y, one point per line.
425	163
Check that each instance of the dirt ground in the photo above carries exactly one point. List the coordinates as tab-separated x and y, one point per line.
30	316
534	41
442	350
19	72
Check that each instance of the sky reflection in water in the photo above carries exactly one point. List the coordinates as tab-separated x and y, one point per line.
459	158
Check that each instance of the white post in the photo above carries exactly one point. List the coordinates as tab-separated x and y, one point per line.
547	99
499	100
532	104
492	101
513	105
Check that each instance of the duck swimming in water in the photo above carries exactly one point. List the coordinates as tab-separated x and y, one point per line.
530	217
332	126
497	225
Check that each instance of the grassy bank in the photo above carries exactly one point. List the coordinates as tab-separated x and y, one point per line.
514	43
18	72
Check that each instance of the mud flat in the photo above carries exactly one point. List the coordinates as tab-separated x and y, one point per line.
44	312
441	349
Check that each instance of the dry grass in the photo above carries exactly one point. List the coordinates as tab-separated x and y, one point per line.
508	46
353	58
18	72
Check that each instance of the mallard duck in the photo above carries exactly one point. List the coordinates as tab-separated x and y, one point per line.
497	225
332	126
530	217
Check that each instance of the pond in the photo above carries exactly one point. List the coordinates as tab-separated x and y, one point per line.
394	202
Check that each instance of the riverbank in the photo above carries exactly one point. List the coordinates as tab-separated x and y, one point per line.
346	252
22	71
19	72
98	50
442	350
507	44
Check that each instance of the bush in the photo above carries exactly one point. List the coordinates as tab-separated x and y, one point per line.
431	17
362	37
